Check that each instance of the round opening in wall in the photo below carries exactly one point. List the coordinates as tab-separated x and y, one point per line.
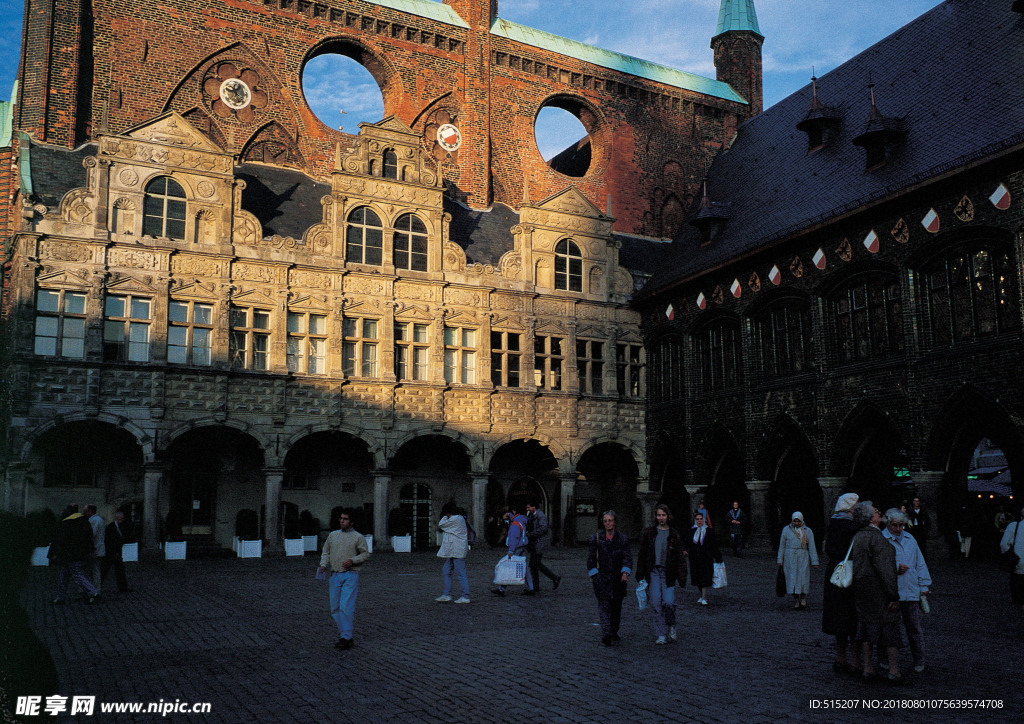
562	131
341	91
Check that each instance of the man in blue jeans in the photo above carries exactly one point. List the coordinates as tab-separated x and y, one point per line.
344	553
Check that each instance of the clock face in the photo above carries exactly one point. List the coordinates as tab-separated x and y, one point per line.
235	93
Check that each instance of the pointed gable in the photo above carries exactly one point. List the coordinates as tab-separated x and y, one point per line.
171	129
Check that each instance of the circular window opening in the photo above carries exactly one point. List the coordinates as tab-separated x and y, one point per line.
341	92
562	139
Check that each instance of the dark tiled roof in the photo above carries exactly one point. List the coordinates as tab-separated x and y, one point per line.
285	201
55	171
640	254
952	75
483	235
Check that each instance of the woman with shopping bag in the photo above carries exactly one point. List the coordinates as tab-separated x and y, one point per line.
661	563
518	546
796	556
702	549
609	563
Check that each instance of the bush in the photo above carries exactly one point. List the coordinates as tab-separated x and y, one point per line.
247	524
41	525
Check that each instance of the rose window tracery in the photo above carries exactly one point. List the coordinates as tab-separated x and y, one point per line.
234	92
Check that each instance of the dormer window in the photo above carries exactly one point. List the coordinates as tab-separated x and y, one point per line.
881	136
390	164
821	123
710	217
568	266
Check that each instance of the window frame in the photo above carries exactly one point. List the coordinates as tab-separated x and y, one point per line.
549	364
247	357
782	327
666	365
121	347
629	371
404	243
298	362
502	357
461	355
190	326
63	321
590	367
362	347
167	202
568	266
363	230
718	354
412	355
864	326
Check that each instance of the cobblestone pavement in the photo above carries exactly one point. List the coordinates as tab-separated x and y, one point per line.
253	638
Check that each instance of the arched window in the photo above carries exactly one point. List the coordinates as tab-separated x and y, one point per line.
868	317
784	336
164	209
719	356
568	266
971	292
390	164
365	237
410	243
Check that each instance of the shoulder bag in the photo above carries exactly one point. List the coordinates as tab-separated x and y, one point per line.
842	576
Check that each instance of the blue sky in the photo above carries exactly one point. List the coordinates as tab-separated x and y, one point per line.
798	34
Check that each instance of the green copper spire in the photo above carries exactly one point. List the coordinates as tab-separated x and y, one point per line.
737	15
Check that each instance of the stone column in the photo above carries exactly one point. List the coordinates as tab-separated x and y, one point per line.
381	486
568	501
16	489
831	489
478	510
758	509
271	517
152	481
648	499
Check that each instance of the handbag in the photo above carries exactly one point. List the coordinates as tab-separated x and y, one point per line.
842	576
719	580
1008	559
641	595
780	583
510	571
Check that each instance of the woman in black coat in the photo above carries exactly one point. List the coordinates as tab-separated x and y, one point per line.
839	607
662	563
609	563
702	548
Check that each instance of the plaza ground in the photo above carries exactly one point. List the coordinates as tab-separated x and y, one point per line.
254	639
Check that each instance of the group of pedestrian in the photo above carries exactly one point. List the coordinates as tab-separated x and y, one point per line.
890	585
85	550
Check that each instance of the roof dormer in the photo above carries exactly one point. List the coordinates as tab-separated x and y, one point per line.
710	217
881	136
821	124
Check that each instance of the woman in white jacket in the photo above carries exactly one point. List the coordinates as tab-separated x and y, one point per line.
454	547
796	556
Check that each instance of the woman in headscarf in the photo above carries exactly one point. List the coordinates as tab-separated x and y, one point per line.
839	608
796	556
703	551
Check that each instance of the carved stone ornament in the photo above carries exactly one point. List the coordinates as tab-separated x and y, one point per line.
206	189
462	296
128	177
900	232
364	286
254	273
191	265
311	280
454	256
512	265
131	258
234	91
64	251
964	209
845	250
509	302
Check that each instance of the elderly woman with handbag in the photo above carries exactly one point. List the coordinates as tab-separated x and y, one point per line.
838	606
796	556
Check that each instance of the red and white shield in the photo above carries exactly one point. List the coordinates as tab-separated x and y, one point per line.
871	242
449	137
775	276
819	259
670	312
702	302
736	288
1000	198
931	222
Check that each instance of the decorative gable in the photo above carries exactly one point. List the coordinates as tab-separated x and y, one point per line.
171	129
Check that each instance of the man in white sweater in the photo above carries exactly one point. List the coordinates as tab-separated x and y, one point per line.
344	553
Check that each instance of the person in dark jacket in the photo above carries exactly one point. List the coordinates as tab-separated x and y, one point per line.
609	563
115	537
538	533
662	562
877	592
702	548
72	545
838	606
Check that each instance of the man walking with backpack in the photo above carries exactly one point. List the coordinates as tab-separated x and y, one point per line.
539	535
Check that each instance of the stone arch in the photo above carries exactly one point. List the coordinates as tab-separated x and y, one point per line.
673	214
788	462
273	144
124	219
723	469
244	427
374	445
145	442
866	449
610	473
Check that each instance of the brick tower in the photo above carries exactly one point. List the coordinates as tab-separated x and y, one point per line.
737	45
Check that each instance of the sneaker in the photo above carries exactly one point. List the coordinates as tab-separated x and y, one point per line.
702	602
443	598
660	641
919	668
462	599
672	634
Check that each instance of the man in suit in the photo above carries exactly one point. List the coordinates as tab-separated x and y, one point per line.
919	525
538	534
115	539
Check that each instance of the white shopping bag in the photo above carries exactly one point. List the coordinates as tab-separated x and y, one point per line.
641	595
510	571
719	581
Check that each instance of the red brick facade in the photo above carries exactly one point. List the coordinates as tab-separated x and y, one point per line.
650	139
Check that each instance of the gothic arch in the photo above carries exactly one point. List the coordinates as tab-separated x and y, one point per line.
273	144
145	442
